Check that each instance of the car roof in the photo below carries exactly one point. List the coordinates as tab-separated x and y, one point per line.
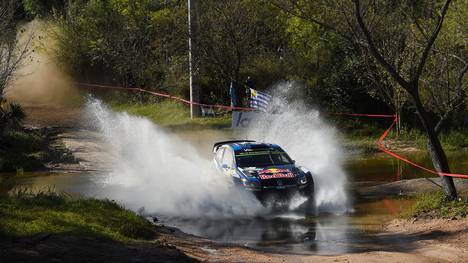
239	146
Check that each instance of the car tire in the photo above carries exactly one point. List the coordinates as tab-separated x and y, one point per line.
309	191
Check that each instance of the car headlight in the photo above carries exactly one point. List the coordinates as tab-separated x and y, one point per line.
246	173
250	184
303	180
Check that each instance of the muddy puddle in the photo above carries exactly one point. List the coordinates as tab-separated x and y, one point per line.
324	234
280	232
381	167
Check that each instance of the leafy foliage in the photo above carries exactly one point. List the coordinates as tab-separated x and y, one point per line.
43	8
316	43
132	42
11	116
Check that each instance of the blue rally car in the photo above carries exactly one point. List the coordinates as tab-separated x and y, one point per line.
263	168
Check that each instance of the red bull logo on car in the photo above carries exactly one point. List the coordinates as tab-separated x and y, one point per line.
275	173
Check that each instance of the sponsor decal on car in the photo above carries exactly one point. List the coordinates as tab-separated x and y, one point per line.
275	173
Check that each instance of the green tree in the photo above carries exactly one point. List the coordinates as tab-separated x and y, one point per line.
234	40
392	34
11	56
134	43
43	8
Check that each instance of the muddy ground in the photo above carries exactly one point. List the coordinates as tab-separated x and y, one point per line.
410	240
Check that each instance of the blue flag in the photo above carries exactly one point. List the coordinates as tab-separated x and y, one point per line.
259	100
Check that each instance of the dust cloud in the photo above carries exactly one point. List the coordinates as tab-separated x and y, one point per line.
39	81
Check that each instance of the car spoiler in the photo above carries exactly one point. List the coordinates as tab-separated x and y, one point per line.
216	145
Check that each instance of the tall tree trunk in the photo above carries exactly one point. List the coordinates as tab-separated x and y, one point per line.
439	159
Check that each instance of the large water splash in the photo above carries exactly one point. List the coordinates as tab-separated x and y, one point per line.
162	173
310	141
166	175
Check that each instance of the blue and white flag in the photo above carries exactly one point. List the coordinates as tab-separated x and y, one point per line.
259	100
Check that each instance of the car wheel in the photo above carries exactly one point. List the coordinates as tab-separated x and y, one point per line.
309	205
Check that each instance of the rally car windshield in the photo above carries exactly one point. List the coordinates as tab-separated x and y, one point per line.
262	158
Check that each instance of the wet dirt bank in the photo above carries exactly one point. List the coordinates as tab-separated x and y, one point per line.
410	187
402	241
69	248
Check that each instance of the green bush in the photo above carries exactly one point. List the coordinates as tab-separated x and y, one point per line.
43	8
23	150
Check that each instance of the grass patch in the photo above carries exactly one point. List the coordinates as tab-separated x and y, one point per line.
24	214
435	205
25	150
450	140
363	136
172	114
455	140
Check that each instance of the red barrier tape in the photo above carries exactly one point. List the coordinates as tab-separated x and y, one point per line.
363	115
162	95
379	142
381	147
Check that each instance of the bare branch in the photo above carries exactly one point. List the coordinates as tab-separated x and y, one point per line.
302	16
456	103
430	42
375	52
10	56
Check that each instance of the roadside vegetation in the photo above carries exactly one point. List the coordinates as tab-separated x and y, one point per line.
358	134
434	205
26	214
24	150
364	139
173	115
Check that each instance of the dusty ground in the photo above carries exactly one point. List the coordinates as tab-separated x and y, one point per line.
88	148
76	133
410	241
49	116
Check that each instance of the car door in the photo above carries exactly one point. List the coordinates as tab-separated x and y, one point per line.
219	158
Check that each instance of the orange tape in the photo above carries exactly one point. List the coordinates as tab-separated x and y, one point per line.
162	95
381	147
379	142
